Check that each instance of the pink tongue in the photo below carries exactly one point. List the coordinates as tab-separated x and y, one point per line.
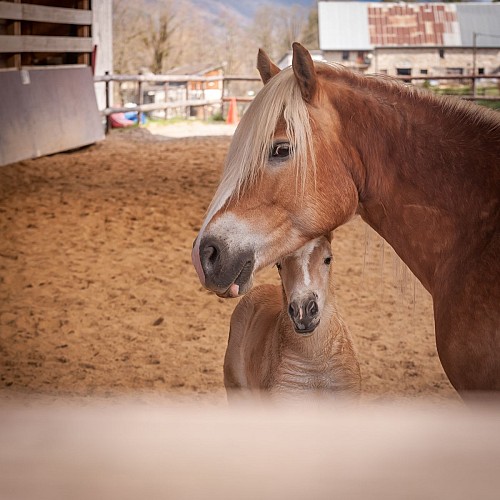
234	289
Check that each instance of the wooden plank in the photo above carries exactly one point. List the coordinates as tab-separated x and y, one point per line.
43	14
83	32
161	105
47	111
44	44
157	78
306	450
14	28
12	11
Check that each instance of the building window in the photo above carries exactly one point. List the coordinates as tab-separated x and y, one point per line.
345	55
480	71
403	71
424	71
454	71
441	53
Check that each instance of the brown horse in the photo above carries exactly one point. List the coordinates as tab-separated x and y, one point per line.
320	144
291	340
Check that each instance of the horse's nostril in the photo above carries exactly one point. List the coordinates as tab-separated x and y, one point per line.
292	310
210	254
312	308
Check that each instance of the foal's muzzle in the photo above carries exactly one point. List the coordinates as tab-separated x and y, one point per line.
226	273
304	313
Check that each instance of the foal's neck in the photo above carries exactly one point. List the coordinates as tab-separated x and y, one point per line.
423	165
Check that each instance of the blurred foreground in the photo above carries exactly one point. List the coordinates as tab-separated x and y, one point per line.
318	450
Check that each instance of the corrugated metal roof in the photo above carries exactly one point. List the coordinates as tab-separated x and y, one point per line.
343	26
362	26
396	24
483	20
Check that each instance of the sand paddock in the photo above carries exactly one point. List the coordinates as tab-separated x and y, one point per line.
98	296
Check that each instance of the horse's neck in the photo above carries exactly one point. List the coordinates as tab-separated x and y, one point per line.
425	184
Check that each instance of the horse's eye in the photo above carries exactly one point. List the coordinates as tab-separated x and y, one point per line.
280	150
278	266
328	260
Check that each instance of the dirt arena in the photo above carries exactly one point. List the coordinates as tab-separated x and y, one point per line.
98	296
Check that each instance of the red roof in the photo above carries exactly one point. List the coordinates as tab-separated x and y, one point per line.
415	24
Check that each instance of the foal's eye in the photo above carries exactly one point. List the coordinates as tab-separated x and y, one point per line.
328	260
280	150
278	266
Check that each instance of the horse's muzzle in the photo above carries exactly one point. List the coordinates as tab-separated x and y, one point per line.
226	273
304	314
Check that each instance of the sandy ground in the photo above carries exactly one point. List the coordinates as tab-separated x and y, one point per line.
98	296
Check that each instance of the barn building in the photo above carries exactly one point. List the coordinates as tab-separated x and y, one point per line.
411	38
49	50
162	92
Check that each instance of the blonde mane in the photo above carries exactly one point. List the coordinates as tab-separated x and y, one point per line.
252	141
281	98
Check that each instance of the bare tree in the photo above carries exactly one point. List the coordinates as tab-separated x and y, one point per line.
275	29
263	29
310	36
188	47
128	25
162	34
293	21
157	38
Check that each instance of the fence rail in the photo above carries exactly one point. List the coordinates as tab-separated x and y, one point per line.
172	78
187	103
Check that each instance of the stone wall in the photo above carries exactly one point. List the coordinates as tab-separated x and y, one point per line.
421	60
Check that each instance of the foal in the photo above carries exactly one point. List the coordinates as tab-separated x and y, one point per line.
292	340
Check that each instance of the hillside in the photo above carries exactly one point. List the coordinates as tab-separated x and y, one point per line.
245	8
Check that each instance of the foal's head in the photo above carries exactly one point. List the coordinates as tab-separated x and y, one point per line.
284	183
305	276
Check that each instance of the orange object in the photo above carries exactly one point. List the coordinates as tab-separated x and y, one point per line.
232	114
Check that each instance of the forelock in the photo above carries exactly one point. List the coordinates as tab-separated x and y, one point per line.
249	150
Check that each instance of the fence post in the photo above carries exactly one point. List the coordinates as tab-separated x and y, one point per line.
203	96
166	100
474	50
141	102
222	97
106	84
186	112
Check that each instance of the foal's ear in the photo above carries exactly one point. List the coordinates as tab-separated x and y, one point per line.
303	68
266	67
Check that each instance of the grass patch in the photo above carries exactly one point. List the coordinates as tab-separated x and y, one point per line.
170	121
490	104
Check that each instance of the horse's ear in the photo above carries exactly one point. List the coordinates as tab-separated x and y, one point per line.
303	68
266	67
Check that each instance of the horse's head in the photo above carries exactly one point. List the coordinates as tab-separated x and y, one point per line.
284	182
305	275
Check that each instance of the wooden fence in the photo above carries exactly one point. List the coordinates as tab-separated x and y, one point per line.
187	102
47	30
